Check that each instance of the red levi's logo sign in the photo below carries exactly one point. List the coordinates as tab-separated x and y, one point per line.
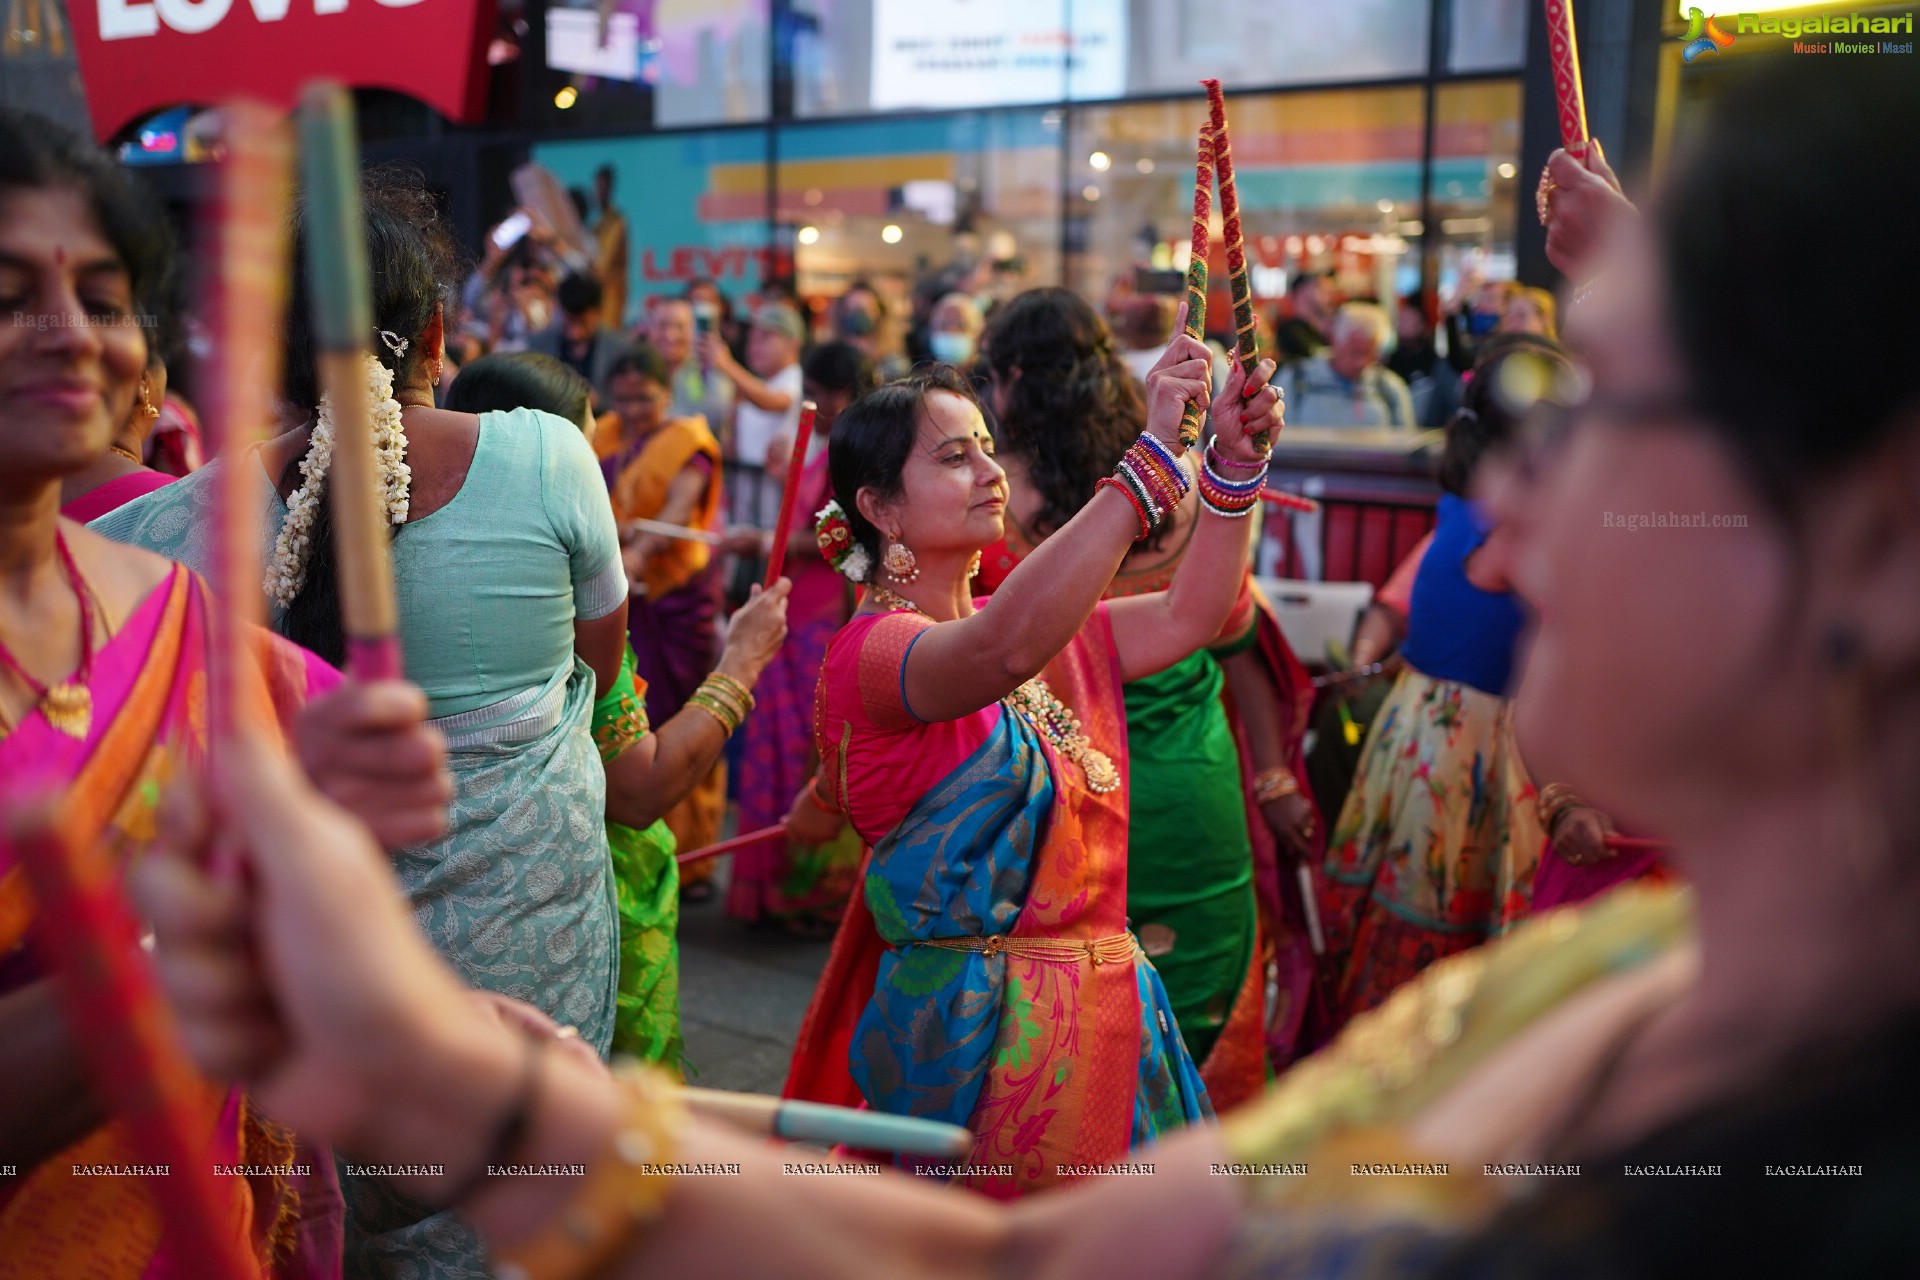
140	56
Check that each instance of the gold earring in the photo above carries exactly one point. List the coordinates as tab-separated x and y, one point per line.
147	405
973	566
900	563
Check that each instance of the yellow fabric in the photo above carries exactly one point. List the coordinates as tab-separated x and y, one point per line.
1392	1061
640	492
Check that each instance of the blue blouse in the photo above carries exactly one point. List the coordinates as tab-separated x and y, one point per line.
1456	631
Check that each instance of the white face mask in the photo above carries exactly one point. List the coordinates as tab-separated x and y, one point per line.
951	348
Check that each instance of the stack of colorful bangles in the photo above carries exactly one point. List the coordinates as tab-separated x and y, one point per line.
723	698
1152	479
1229	488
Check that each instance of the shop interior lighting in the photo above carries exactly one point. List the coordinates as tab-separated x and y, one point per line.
567	96
809	235
891	233
1090	193
1101	161
1506	169
1144	164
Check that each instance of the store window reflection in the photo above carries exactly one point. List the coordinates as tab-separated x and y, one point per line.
1328	181
919	207
1475	182
1273	42
1488	35
665	63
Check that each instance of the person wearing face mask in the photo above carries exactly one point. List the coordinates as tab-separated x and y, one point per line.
860	317
953	330
1473	322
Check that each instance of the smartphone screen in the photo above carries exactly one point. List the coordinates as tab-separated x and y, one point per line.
705	317
510	232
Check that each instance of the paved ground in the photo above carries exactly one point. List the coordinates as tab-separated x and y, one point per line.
743	992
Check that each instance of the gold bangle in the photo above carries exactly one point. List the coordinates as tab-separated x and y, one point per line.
729	692
625	1189
1555	799
1274	784
727	682
729	721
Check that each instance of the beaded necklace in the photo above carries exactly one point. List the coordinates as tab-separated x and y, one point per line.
1036	703
66	704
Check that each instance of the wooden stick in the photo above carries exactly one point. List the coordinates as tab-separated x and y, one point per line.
246	296
1197	269
790	494
816	1122
87	937
343	331
1635	844
1564	52
1310	909
665	530
734	845
1290	501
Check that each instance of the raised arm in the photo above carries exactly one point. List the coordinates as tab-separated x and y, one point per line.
1155	631
955	668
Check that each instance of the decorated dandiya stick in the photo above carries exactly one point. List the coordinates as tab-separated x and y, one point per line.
1563	53
1197	270
1246	339
1635	844
824	1125
790	493
1290	501
764	834
87	938
247	295
337	278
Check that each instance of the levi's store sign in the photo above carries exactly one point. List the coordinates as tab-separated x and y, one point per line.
139	56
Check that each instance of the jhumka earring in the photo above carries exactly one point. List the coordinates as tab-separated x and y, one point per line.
899	562
147	407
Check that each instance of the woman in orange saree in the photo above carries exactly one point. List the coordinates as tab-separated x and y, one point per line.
668	470
986	976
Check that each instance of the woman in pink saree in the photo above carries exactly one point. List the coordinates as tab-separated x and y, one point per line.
104	675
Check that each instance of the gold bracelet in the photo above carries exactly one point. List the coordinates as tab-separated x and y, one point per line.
722	680
625	1189
729	719
1555	799
1274	784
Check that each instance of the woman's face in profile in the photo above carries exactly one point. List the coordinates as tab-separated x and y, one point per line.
1658	577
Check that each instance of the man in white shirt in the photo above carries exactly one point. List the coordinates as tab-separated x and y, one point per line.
768	393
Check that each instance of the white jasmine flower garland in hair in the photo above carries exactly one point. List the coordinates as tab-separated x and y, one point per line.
287	570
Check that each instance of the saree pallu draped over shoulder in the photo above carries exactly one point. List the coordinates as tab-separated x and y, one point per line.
986	976
150	690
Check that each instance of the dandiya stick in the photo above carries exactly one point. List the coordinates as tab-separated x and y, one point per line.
680	531
1563	52
1290	501
790	493
1197	269
819	1123
247	297
1246	340
337	278
1316	936
86	934
774	832
1635	844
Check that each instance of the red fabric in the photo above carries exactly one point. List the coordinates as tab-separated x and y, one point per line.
818	1070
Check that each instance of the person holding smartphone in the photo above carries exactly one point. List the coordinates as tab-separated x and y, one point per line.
672	330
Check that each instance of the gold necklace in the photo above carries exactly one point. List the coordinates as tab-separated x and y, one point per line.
1036	702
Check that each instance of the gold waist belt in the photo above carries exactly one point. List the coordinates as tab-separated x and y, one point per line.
1112	950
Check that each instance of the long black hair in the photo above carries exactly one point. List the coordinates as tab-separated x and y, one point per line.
1798	157
1489	417
1074	408
411	257
873	439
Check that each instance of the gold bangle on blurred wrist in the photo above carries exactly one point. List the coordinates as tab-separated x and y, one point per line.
625	1188
725	699
1274	784
1556	800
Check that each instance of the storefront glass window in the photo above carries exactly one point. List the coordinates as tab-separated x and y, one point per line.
1488	35
1327	181
1476	180
968	201
670	63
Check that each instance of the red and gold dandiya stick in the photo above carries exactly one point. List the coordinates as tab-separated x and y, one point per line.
764	834
87	937
790	493
1197	270
1290	501
1563	52
1246	339
247	296
337	277
1635	844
